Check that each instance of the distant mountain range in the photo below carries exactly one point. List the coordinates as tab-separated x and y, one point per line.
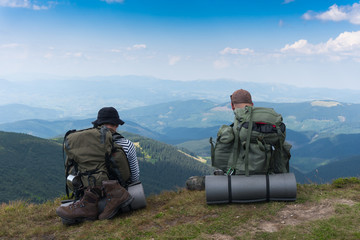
81	98
324	118
320	131
56	128
19	112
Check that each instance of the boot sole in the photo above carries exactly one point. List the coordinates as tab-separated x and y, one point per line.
68	221
124	204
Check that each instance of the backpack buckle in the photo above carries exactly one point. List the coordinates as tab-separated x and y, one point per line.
230	171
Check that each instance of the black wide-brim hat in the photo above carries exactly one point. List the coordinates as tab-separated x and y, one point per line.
108	115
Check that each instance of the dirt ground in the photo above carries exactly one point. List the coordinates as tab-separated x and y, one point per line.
299	213
292	215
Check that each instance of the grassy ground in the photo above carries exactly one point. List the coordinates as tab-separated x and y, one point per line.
321	212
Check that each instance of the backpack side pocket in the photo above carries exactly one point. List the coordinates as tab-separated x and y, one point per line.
223	147
281	158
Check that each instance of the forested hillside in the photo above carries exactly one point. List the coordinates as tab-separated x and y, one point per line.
32	168
347	167
162	166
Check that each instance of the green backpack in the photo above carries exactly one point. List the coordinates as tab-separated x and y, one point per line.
253	144
92	156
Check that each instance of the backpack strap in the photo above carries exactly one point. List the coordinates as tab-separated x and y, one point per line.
247	146
103	132
117	136
236	143
212	151
235	153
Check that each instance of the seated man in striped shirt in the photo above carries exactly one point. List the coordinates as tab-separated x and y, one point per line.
109	117
116	196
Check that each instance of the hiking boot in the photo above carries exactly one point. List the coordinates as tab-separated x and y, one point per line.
116	197
84	209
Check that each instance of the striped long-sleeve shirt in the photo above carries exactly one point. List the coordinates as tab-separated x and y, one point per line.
130	152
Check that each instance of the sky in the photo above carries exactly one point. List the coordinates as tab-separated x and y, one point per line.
304	43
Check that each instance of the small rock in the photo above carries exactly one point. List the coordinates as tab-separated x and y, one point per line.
196	183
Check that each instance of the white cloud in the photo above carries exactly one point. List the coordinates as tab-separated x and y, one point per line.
15	3
347	41
337	13
308	15
300	46
236	51
37	7
174	60
25	4
137	47
10	45
288	1
113	1
74	54
346	44
333	14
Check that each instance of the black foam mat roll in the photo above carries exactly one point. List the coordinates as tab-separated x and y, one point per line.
254	188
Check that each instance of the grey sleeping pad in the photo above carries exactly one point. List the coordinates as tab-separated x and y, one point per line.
247	189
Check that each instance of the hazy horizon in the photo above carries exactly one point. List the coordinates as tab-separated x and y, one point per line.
79	98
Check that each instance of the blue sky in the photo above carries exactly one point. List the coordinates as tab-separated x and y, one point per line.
298	42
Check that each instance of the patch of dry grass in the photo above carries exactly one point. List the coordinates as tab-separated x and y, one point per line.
185	215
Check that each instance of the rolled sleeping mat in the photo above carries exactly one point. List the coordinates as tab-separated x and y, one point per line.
246	189
282	187
136	190
235	188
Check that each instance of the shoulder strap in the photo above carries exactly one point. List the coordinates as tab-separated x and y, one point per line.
248	137
236	149
235	153
116	136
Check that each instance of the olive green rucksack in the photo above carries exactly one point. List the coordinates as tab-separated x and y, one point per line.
92	156
253	144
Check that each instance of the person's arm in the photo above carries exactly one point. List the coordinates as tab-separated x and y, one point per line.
130	152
